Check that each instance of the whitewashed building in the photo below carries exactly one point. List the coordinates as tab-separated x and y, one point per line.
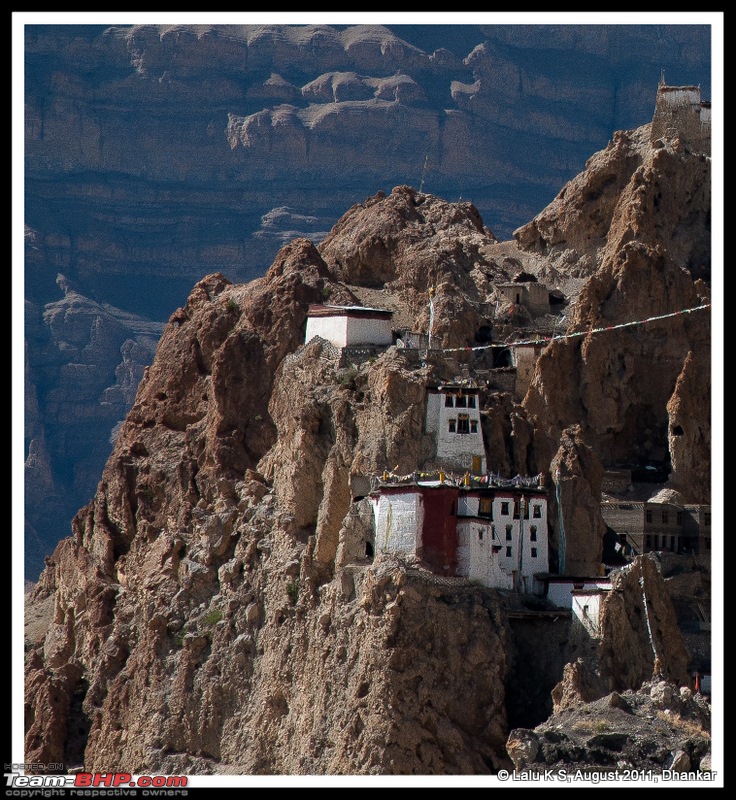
502	538
350	326
496	536
453	418
561	588
586	608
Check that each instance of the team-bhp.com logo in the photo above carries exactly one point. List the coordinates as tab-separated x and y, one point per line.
96	780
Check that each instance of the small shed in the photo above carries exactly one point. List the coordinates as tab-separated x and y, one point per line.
533	295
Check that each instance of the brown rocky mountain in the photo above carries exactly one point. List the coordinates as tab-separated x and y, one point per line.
599	723
217	608
613	739
155	154
649	244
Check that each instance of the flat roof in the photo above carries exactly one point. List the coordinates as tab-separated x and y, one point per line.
326	310
507	488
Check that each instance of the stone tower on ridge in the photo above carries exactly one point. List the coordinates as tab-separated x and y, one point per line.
680	113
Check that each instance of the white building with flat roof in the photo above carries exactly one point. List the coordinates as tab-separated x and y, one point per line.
350	326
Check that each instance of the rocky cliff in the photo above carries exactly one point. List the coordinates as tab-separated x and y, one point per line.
156	154
598	665
639	219
203	595
614	738
217	608
624	709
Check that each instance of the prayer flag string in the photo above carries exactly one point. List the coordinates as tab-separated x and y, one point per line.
547	339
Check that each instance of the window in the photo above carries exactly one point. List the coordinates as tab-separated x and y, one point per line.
665	518
648	516
474	426
485	507
648	542
504	508
534	552
460	401
480	534
533	533
508	533
463	423
448	401
452	426
516	509
508	552
471	401
679	517
537	511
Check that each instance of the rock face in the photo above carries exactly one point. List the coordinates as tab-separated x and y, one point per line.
626	380
616	733
638	612
189	565
689	428
635	671
577	475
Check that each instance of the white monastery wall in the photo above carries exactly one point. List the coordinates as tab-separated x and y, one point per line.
363	330
333	329
398	520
